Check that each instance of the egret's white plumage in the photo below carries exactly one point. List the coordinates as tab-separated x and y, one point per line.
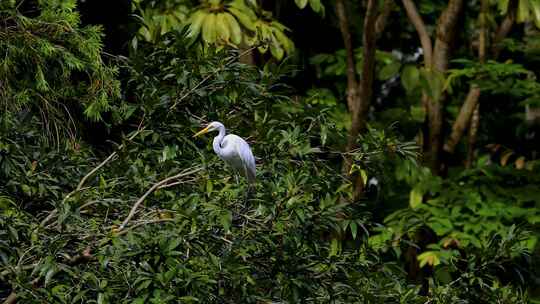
232	149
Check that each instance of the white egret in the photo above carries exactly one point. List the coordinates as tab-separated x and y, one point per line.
233	150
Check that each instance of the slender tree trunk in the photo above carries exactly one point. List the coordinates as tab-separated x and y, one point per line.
436	58
446	29
360	91
368	70
353	96
473	133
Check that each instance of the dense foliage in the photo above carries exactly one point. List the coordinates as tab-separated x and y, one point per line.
105	196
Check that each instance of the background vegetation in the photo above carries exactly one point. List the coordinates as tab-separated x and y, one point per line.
396	143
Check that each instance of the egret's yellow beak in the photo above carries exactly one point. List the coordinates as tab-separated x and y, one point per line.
201	132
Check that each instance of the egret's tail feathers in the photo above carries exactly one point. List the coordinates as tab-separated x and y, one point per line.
251	178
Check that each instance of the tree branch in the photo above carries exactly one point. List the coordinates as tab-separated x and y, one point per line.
352	83
359	116
462	119
503	30
473	132
119	233
446	27
421	29
109	158
380	24
11	299
154	187
53	213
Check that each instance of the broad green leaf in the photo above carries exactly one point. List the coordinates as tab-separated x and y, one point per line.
354	229
284	41
243	18
364	176
301	3
276	49
523	12
315	5
535	8
209	33
503	6
226	220
433	83
410	77
222	27
334	247
415	197
418	113
236	31
429	258
389	70
196	21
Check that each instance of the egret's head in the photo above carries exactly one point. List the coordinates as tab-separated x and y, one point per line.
213	126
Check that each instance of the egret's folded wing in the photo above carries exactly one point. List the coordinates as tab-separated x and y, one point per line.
248	161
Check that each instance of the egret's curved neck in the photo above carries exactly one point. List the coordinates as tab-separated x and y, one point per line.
218	139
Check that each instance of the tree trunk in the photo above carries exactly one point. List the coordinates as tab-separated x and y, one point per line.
435	58
473	133
368	70
462	119
359	92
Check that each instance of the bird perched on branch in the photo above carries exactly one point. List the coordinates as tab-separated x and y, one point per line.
233	150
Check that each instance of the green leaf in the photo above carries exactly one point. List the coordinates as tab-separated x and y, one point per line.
301	3
236	31
503	6
429	258
315	5
284	41
415	197
334	247
389	70
523	12
433	83
410	77
354	229
222	28
243	18
276	50
226	220
535	8
209	33
418	113
196	21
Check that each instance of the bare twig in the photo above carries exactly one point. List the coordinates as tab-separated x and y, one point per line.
53	213
152	189
421	29
109	158
21	267
118	232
